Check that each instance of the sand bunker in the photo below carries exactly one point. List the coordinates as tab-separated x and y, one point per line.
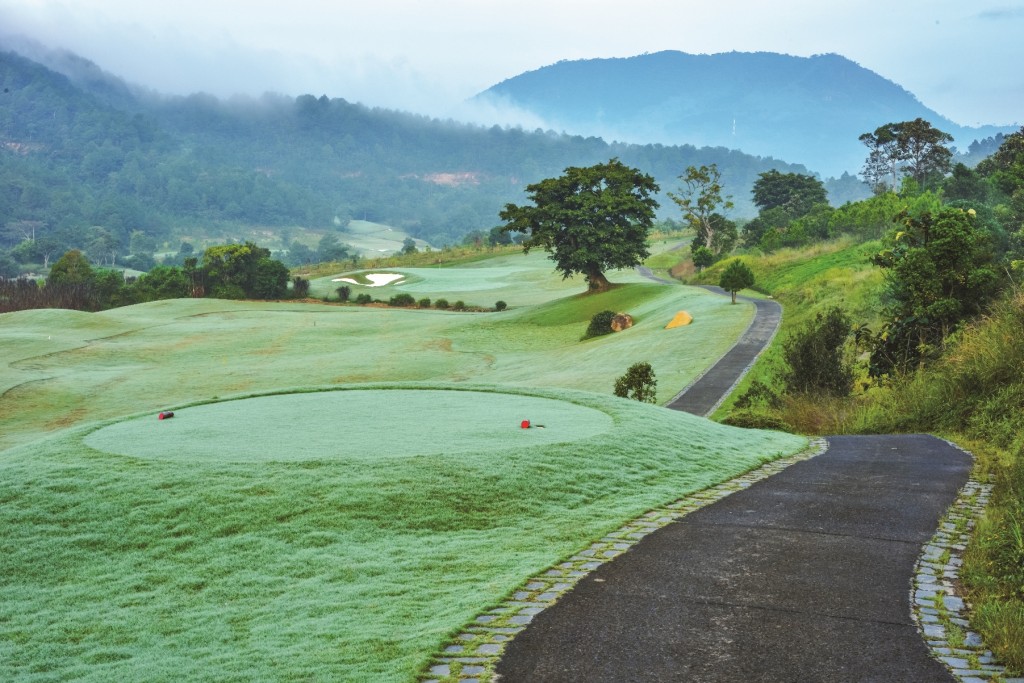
376	279
356	424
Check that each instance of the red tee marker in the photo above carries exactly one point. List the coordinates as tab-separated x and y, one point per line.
164	416
525	424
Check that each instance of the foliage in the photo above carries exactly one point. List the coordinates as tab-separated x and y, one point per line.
736	276
600	324
702	257
589	219
300	287
815	356
638	383
699	202
914	149
402	299
239	271
500	305
459	305
795	193
424	302
940	270
344	292
364	298
73	268
441	304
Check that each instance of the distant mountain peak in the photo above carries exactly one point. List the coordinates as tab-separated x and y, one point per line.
808	110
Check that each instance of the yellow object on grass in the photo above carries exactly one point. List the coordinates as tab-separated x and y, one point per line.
682	318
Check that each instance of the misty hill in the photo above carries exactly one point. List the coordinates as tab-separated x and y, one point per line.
83	155
807	110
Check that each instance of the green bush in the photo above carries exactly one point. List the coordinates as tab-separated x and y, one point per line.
364	298
459	305
500	305
441	303
300	287
638	383
344	292
403	299
815	356
600	324
751	419
424	302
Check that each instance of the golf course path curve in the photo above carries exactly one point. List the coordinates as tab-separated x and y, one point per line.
804	576
710	389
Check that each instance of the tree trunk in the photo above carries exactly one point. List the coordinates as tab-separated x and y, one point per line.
734	297
597	282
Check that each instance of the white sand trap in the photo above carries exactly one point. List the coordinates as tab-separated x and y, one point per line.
376	279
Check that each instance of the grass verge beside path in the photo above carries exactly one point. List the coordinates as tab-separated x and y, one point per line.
331	566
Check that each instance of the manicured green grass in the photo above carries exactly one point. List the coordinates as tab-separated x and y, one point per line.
64	368
339	566
323	525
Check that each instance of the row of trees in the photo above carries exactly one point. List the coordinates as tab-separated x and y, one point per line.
234	271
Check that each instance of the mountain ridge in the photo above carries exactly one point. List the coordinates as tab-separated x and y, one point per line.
808	110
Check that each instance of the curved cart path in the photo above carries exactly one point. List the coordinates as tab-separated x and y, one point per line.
804	576
711	388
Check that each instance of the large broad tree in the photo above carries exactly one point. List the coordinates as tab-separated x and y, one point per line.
797	194
589	219
914	149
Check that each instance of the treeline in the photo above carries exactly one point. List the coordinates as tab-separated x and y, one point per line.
234	271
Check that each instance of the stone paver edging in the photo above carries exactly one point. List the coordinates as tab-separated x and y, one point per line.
472	656
938	610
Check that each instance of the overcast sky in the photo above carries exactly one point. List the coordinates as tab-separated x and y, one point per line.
962	58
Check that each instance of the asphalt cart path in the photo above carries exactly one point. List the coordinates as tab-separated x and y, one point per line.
704	395
805	576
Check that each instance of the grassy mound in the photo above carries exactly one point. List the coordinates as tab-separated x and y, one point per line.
331	568
376	424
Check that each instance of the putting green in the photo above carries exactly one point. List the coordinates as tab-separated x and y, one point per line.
354	424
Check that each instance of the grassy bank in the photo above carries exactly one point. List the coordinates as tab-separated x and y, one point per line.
211	552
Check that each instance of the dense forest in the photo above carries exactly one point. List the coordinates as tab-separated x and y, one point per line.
88	162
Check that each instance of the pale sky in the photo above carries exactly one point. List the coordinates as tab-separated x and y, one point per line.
962	58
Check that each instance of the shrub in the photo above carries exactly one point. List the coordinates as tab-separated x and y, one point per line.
403	299
344	292
750	419
364	298
815	356
300	287
500	305
441	303
638	383
424	302
600	324
459	305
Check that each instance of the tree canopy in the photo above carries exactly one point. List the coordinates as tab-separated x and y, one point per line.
699	202
940	270
915	149
736	276
589	219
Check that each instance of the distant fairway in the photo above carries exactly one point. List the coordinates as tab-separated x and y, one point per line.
342	487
